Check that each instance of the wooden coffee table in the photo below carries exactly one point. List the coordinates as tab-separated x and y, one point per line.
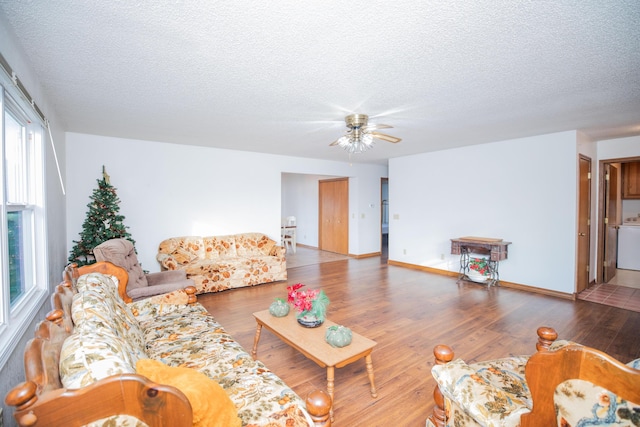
311	343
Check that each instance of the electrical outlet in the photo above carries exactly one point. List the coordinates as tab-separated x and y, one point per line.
404	252
442	257
362	216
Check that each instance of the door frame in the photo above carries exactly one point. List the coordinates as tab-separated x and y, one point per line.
584	221
383	181
601	255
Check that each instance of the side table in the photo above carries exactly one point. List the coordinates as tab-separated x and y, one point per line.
495	249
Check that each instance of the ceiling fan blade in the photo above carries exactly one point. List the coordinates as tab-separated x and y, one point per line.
386	137
347	132
376	126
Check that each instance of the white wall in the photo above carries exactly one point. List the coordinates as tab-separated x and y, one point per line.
169	190
522	190
619	148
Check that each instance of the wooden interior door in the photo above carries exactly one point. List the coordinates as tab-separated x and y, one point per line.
610	222
333	227
584	214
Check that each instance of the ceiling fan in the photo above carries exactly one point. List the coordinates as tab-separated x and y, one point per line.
360	135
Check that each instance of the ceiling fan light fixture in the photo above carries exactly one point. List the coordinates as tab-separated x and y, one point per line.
356	143
360	136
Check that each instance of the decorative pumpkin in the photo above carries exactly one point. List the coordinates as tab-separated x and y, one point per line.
279	308
338	336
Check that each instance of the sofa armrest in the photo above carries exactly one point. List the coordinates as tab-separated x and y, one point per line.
546	370
164	277
160	289
124	394
278	251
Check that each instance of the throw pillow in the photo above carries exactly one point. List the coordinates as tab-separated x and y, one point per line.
210	403
182	256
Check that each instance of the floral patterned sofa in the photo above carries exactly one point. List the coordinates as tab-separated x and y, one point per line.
92	344
564	384
216	263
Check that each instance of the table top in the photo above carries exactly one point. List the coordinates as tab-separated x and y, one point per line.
311	341
481	240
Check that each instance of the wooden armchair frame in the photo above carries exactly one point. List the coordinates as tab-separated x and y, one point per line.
546	369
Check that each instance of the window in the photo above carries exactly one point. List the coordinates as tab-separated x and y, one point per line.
22	229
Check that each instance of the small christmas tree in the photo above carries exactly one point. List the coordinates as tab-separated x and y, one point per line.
102	223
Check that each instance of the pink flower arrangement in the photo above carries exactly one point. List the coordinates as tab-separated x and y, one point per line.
312	301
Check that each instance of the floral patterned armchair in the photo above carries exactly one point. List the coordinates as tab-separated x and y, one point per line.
564	384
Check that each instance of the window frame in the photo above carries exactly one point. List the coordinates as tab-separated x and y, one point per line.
15	319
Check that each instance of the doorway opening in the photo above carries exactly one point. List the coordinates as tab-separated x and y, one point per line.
384	219
610	212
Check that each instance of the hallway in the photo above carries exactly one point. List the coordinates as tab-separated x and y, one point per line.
623	291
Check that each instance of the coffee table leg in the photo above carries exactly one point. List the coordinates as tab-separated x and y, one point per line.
330	377
254	352
369	364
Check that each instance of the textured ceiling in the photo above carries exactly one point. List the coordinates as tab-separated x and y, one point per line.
279	77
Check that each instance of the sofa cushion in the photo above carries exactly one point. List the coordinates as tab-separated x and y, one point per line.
478	389
252	244
166	306
211	405
93	312
581	403
88	356
261	397
219	247
204	266
169	337
111	302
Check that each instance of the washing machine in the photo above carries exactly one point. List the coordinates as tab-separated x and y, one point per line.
629	247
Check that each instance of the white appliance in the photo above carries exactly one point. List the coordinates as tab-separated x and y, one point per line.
629	247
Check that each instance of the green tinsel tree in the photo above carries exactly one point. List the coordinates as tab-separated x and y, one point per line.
103	222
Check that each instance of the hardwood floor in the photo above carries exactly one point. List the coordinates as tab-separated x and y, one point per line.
305	255
407	312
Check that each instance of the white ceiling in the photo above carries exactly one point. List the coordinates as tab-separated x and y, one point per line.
279	77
